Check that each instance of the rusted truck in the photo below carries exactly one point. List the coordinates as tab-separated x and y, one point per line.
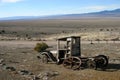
70	55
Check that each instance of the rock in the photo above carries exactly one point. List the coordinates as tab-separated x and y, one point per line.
13	61
42	76
25	60
28	77
38	57
35	78
53	73
1	61
24	72
45	78
2	53
2	64
46	75
10	68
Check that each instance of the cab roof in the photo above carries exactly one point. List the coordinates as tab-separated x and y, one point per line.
65	38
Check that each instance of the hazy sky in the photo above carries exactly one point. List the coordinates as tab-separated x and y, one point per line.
10	8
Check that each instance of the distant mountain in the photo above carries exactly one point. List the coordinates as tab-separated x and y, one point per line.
106	13
19	18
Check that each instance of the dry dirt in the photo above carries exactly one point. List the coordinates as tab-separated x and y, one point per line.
16	56
89	28
21	56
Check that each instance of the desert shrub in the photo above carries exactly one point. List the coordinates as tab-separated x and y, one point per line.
115	39
97	40
26	35
101	29
107	29
3	31
40	47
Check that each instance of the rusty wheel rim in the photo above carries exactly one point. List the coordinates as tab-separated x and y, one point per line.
76	63
44	59
101	61
67	63
72	63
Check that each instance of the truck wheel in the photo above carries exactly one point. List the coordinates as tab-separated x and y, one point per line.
91	64
44	59
101	61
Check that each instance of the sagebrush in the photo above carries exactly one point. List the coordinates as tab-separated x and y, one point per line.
41	47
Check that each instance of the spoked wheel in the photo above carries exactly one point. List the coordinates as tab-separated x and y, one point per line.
101	61
91	64
72	63
44	59
76	63
67	63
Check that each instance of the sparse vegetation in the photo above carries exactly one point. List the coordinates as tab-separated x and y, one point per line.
101	29
2	31
115	39
21	55
46	28
107	29
41	47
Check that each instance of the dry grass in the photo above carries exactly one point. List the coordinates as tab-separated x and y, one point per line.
41	28
22	52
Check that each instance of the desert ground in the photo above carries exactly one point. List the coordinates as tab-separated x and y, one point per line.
19	61
21	56
89	28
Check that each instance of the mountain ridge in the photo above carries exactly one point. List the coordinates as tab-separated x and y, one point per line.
105	13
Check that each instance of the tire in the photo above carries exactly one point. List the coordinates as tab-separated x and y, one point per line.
91	64
101	61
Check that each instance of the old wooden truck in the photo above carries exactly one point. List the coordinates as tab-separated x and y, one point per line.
70	55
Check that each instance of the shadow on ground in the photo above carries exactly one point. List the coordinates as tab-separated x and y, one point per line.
113	67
